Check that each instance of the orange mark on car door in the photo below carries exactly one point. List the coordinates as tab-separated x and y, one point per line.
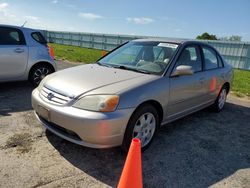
213	84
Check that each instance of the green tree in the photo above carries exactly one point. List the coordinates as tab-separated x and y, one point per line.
206	36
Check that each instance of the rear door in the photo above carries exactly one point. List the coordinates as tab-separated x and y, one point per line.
187	91
13	53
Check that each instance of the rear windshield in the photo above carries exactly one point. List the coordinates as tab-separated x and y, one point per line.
37	36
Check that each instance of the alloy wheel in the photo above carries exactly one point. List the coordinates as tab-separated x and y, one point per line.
222	98
144	128
40	73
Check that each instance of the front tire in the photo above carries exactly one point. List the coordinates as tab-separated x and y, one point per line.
143	124
39	72
221	100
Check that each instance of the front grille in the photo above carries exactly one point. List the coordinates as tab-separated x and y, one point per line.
54	97
61	130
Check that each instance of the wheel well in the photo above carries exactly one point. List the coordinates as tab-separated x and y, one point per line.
41	63
227	85
156	105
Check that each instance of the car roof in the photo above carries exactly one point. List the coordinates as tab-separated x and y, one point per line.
170	40
18	27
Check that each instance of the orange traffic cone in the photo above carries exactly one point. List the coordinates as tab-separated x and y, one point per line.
132	171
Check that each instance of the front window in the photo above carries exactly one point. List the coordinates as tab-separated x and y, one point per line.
11	36
190	56
145	57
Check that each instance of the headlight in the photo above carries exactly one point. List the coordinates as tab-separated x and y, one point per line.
40	86
99	103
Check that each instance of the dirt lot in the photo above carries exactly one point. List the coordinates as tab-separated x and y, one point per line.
201	150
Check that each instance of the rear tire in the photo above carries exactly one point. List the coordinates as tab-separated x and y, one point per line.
39	72
221	100
143	124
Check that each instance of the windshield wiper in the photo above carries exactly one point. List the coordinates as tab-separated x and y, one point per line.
128	68
104	64
123	67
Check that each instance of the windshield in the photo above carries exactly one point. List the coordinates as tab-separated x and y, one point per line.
145	57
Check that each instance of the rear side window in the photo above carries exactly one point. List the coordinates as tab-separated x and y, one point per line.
210	58
37	36
11	36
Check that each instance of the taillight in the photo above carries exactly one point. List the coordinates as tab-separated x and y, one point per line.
51	52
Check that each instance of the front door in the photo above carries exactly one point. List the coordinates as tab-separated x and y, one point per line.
13	53
187	91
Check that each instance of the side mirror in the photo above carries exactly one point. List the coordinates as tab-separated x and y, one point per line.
183	70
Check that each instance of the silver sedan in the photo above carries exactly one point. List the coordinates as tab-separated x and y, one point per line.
132	91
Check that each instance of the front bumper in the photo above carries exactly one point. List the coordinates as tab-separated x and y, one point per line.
91	129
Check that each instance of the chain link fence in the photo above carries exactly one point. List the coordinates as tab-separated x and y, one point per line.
236	53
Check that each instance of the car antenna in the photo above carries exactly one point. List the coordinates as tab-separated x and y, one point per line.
24	23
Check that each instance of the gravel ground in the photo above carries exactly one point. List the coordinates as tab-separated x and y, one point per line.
200	150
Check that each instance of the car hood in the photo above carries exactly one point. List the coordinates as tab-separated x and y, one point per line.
85	78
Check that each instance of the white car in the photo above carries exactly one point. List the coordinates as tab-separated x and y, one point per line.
24	55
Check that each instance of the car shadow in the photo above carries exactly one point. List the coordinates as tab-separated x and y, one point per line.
196	151
15	97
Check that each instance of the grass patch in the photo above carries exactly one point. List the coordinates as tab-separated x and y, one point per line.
241	83
75	53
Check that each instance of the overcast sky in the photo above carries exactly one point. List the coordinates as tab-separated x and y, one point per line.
166	18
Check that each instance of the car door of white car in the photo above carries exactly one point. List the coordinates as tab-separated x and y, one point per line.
186	91
13	54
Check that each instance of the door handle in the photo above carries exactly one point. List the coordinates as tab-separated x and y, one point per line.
19	50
